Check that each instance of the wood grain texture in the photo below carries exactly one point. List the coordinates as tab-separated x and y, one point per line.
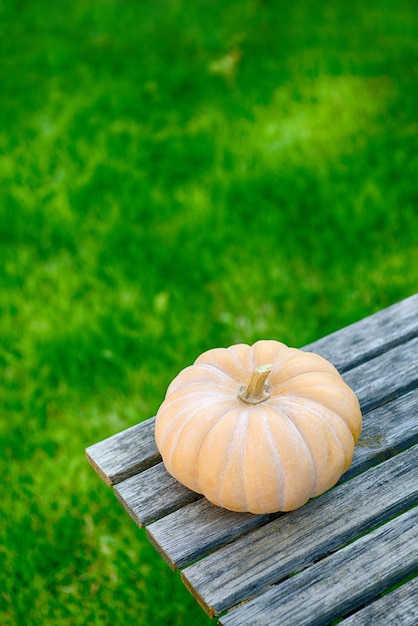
385	377
278	549
369	337
152	494
398	608
196	529
387	430
339	583
199	528
125	454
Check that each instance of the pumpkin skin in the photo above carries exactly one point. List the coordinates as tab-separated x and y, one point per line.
271	455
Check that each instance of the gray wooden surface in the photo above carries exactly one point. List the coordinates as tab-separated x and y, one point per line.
125	454
338	583
334	557
400	605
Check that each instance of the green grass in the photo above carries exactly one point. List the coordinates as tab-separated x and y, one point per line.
176	176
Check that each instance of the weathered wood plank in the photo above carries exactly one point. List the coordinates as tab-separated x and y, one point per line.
370	336
387	430
341	582
152	494
122	455
386	376
278	549
398	608
196	529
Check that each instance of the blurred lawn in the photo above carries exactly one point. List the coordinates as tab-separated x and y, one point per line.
176	176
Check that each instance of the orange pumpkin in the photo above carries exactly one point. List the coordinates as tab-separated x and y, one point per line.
259	428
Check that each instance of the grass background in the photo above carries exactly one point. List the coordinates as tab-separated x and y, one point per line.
176	176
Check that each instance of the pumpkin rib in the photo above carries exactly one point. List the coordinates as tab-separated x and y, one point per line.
318	414
301	436
242	354
276	456
317	366
243	451
225	373
297	381
193	451
350	422
214	368
340	388
205	371
242	425
214	376
179	394
233	364
180	416
215	423
211	386
269	351
198	448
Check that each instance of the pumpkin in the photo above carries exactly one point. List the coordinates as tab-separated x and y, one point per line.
259	428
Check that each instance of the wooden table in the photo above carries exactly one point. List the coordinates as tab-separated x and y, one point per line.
351	553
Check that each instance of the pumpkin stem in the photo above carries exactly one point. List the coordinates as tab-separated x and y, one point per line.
256	390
